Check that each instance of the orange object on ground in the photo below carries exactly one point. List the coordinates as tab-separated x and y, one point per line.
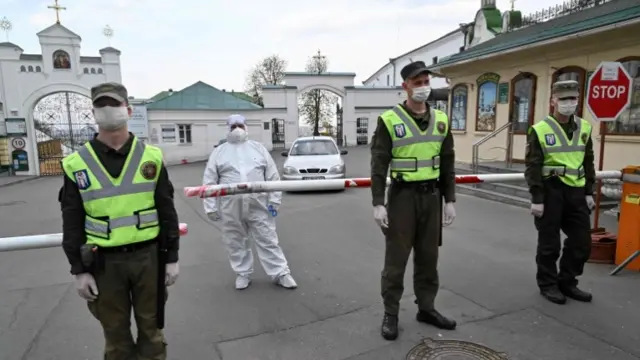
629	225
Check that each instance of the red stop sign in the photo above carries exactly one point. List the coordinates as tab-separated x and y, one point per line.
609	92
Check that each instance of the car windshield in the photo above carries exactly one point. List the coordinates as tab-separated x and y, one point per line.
314	147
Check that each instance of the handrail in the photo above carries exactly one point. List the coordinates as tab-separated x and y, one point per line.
476	145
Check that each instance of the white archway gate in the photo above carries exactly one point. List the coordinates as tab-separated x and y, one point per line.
361	105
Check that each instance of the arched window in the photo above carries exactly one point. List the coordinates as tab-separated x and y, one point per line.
23	68
522	101
99	71
629	121
571	73
38	69
93	70
85	70
30	68
458	114
486	101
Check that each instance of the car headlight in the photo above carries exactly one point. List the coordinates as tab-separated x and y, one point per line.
338	169
288	170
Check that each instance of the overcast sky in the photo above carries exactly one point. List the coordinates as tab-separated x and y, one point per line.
172	44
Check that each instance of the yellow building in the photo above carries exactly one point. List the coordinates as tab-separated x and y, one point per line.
507	80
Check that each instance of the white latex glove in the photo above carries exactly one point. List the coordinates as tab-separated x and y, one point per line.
449	214
537	210
213	216
171	273
380	215
86	286
590	203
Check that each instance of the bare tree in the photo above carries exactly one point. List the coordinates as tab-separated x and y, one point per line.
317	106
269	71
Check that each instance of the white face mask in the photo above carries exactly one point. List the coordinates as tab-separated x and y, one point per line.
111	118
421	94
237	135
567	107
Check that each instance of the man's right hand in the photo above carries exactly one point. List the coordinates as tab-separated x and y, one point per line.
380	215
537	210
213	216
86	286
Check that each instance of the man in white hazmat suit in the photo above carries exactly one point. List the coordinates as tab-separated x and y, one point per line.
249	216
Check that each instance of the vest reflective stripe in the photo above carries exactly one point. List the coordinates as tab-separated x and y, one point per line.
417	136
415	153
413	165
119	211
108	188
563	158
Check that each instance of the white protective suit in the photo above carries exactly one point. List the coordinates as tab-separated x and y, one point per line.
246	217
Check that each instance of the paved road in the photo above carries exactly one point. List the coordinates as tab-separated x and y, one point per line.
336	252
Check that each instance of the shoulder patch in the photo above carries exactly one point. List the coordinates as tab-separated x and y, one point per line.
82	179
585	137
400	130
550	139
148	170
441	127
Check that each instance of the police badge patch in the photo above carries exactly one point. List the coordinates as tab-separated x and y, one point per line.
400	130
585	137
149	170
550	139
82	179
441	127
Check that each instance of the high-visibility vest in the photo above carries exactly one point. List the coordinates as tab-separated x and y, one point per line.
119	211
563	157
415	153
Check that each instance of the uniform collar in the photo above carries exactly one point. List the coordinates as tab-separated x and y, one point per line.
99	146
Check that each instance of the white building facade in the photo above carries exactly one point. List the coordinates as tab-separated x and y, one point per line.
25	79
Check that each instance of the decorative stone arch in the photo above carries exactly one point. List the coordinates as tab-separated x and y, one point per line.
28	106
326	87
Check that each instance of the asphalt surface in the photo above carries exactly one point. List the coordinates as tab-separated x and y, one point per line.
335	252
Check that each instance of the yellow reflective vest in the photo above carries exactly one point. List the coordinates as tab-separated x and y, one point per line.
563	157
119	211
415	153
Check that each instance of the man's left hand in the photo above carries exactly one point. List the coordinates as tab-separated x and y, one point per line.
171	274
449	214
590	203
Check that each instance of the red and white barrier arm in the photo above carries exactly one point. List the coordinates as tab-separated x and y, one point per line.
339	184
45	241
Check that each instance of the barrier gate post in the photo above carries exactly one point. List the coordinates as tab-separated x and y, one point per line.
628	244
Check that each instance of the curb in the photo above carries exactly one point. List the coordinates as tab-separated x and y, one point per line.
19	181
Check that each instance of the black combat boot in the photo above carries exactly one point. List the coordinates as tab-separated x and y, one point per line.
433	317
574	293
553	294
389	328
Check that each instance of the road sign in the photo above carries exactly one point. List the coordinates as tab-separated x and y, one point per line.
609	91
18	143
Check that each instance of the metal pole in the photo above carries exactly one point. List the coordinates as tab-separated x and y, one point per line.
28	242
596	216
207	191
66	95
625	263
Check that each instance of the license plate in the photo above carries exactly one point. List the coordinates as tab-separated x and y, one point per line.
313	178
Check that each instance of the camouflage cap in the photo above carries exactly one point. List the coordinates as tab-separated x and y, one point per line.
566	88
111	89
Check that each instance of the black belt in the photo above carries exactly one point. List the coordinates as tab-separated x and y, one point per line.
127	248
426	185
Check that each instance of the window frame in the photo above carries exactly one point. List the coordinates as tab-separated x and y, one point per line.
532	101
606	128
168	127
466	106
187	137
582	73
495	81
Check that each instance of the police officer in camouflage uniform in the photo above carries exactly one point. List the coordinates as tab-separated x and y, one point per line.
414	141
561	176
120	229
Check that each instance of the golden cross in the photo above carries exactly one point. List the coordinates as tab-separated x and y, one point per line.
57	8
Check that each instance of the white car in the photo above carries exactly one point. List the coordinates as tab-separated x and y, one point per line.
313	158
